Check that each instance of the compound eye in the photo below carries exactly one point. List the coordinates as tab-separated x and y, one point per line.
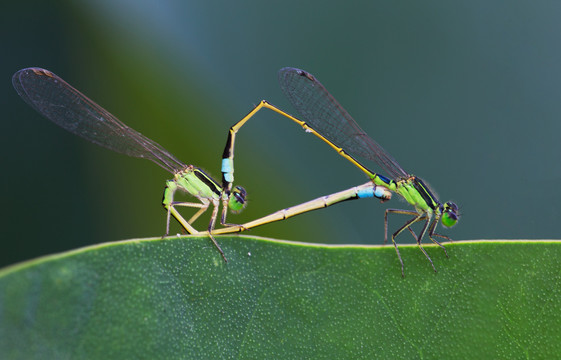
450	214
449	219
237	199
452	207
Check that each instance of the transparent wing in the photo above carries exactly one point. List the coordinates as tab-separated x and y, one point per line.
324	114
70	109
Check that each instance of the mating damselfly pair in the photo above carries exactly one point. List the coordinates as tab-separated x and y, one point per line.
321	115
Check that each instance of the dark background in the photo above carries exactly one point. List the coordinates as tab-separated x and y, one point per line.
465	95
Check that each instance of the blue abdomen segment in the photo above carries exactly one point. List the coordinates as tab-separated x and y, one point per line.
379	192
228	170
366	193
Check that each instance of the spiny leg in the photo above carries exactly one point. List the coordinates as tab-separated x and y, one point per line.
172	211
203	207
408	223
413	233
169	205
185	224
439	244
224	209
397	211
233	227
428	219
215	204
417	217
443	236
432	233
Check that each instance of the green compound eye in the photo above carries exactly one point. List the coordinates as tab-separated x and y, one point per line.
450	214
237	199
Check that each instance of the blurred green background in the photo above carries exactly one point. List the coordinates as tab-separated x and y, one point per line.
465	95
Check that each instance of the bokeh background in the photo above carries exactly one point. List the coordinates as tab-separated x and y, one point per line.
465	95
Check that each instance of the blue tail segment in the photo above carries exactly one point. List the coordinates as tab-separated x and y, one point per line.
379	192
366	193
228	170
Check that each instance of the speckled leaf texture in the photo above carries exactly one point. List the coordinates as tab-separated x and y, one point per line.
177	299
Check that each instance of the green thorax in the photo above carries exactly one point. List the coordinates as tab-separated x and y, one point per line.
197	183
413	190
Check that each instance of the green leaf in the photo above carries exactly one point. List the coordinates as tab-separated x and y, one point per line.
176	298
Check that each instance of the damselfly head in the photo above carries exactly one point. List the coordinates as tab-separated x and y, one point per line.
450	214
237	200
